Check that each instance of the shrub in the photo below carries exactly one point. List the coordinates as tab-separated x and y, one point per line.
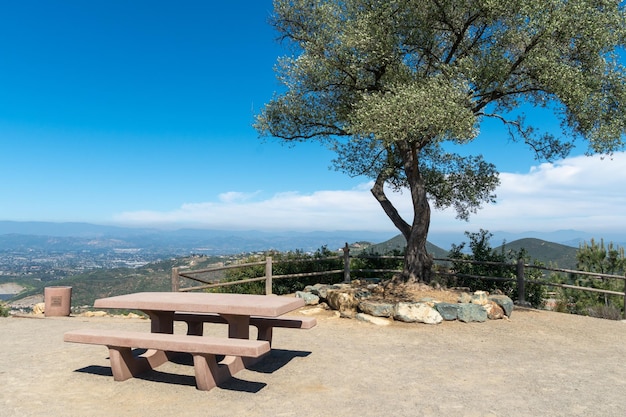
497	264
4	309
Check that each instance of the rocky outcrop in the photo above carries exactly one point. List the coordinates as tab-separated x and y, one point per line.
367	304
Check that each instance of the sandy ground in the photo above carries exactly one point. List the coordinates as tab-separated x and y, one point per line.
537	363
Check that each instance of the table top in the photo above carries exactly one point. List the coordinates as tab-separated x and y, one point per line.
237	304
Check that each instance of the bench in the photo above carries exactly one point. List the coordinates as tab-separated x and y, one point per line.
264	325
204	350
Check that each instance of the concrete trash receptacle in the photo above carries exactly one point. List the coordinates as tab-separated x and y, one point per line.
57	300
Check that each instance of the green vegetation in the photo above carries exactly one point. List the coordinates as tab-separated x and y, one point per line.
98	283
396	87
481	251
548	253
599	258
4	309
285	263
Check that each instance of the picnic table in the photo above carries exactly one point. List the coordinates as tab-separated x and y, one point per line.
238	311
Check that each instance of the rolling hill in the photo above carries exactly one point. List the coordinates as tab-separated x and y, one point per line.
548	253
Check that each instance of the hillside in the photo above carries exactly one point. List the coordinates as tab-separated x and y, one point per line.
98	283
398	243
548	253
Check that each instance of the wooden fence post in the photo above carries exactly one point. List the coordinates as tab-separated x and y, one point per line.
346	263
268	275
625	298
521	286
175	280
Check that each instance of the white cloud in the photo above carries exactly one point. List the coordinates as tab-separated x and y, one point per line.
584	193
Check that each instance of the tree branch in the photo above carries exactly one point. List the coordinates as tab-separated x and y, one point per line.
379	193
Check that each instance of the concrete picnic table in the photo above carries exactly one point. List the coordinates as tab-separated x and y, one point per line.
239	311
235	308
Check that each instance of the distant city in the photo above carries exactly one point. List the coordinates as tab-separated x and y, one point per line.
51	251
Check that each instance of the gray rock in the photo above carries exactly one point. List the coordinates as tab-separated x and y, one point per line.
469	312
448	311
310	299
503	301
376	308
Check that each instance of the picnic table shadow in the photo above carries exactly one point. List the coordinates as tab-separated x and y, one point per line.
272	362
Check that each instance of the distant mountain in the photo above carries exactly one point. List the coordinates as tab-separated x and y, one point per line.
569	237
73	236
549	253
398	243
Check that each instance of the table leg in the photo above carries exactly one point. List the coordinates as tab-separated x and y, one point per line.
160	322
238	328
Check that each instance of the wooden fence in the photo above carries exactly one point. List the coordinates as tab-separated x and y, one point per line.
520	272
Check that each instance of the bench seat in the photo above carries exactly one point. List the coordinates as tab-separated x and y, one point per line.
263	324
204	350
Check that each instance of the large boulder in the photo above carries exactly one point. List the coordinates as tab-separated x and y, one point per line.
416	312
376	308
448	311
309	298
342	300
503	301
469	312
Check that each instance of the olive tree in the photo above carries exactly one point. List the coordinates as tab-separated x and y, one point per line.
390	85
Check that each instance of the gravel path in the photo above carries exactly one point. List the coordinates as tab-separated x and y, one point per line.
537	363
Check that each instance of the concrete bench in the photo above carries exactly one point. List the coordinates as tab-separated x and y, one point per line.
204	350
264	325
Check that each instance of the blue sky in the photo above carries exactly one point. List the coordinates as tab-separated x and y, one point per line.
140	112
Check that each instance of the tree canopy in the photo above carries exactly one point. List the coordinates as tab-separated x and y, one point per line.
389	84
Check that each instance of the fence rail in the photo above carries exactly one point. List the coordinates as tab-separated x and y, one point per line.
520	272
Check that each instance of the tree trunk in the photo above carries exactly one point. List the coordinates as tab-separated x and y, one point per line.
417	261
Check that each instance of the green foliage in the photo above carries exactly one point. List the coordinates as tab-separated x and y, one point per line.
370	261
468	274
393	86
595	257
285	263
4	309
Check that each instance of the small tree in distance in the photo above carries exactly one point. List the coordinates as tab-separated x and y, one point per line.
389	85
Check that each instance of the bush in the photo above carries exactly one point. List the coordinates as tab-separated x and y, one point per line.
285	263
596	258
496	265
4	309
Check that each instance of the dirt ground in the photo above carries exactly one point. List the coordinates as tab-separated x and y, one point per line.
536	363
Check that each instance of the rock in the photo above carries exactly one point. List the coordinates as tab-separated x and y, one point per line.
317	289
39	308
469	312
373	320
448	311
503	301
376	308
494	311
416	312
480	298
342	300
310	299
